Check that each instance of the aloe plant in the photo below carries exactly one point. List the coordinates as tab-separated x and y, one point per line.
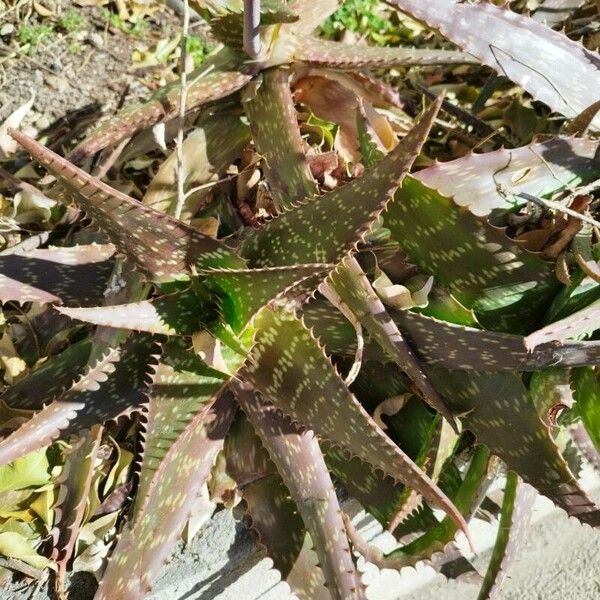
284	347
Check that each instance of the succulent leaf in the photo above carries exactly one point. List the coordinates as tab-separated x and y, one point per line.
161	246
76	275
323	53
144	544
113	386
326	228
290	369
552	68
300	463
498	409
504	283
491	180
584	321
217	77
179	313
586	385
512	531
274	126
49	379
355	290
74	481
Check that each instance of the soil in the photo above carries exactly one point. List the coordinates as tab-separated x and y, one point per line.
89	71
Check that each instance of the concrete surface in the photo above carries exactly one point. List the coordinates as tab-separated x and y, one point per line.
560	561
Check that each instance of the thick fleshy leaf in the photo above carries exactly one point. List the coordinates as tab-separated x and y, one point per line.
353	287
174	314
161	246
274	514
146	543
586	386
216	78
324	53
275	132
50	378
484	182
77	275
547	64
300	463
498	409
182	387
554	12
440	535
582	322
512	531
439	343
325	229
280	529
458	347
585	445
208	150
113	386
485	270
243	293
74	487
290	369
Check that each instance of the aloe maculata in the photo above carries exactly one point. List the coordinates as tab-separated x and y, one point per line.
404	406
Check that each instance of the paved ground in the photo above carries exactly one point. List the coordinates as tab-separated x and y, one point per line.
560	561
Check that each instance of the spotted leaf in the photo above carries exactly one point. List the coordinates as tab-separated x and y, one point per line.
326	228
492	180
512	531
300	463
161	246
113	386
353	287
77	275
275	132
502	282
289	368
552	68
145	544
324	53
498	409
216	78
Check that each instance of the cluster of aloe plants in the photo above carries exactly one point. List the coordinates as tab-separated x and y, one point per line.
304	344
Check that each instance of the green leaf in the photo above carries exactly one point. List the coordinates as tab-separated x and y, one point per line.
145	544
311	14
15	545
512	532
586	385
492	180
499	410
300	463
219	76
274	125
161	246
74	487
113	386
353	287
547	64
582	322
50	378
290	369
179	313
77	275
324	53
485	270
30	470
326	228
